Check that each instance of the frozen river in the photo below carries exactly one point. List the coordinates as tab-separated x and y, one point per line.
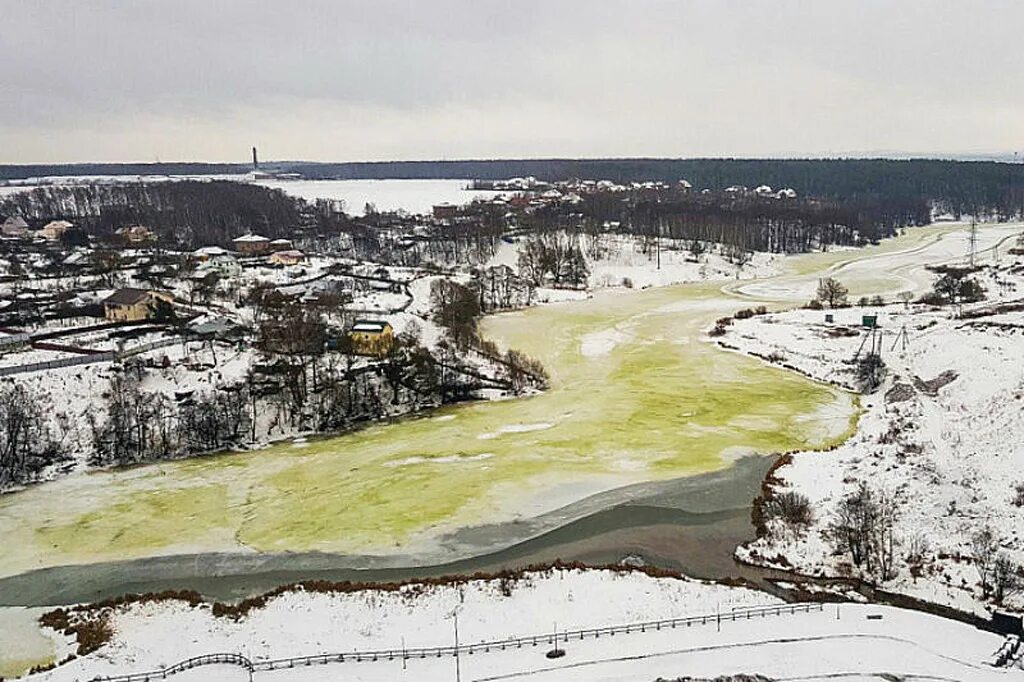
639	399
412	196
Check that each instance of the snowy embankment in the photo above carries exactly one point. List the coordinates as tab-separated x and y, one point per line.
818	640
628	260
943	436
620	260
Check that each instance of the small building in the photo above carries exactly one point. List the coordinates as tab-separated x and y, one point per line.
209	252
224	264
372	337
137	234
290	257
79	259
445	211
134	305
15	227
55	229
281	245
251	244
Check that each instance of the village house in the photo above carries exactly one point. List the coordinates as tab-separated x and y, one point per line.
55	229
134	305
251	244
445	211
137	234
223	264
372	337
290	257
207	252
281	245
14	226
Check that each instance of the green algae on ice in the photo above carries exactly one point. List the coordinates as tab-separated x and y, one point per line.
636	396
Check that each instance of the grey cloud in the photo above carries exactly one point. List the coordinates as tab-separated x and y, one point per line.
387	79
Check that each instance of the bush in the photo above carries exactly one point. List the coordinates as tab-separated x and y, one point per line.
760	310
744	314
814	304
870	372
1018	497
793	509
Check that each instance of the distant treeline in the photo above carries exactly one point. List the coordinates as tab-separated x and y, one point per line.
745	220
189	213
22	172
955	186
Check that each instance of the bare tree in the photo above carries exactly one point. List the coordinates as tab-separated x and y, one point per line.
26	444
864	526
456	307
985	551
832	292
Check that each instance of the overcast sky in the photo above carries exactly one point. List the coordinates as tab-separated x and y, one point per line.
141	80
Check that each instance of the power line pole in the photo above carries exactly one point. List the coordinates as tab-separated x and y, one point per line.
973	239
458	668
657	243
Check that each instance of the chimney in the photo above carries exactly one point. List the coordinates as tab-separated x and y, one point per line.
255	162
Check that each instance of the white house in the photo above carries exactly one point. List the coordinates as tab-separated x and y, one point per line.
15	226
223	264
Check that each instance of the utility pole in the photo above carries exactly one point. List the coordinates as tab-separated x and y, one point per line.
458	668
657	243
973	239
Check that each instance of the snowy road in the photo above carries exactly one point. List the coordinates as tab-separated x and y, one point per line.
894	266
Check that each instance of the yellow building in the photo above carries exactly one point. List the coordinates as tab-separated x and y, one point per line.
134	305
289	257
372	337
137	234
54	230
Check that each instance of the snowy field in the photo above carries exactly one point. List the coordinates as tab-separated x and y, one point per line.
857	641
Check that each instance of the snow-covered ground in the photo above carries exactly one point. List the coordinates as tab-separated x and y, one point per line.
628	261
858	640
411	196
625	259
950	451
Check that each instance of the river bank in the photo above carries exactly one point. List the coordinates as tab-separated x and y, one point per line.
646	392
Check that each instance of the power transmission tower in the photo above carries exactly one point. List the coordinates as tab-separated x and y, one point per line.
901	336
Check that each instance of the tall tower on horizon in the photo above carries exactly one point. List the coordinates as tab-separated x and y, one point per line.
255	161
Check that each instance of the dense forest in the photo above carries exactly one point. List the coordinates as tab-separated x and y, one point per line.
188	213
955	186
40	170
745	220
